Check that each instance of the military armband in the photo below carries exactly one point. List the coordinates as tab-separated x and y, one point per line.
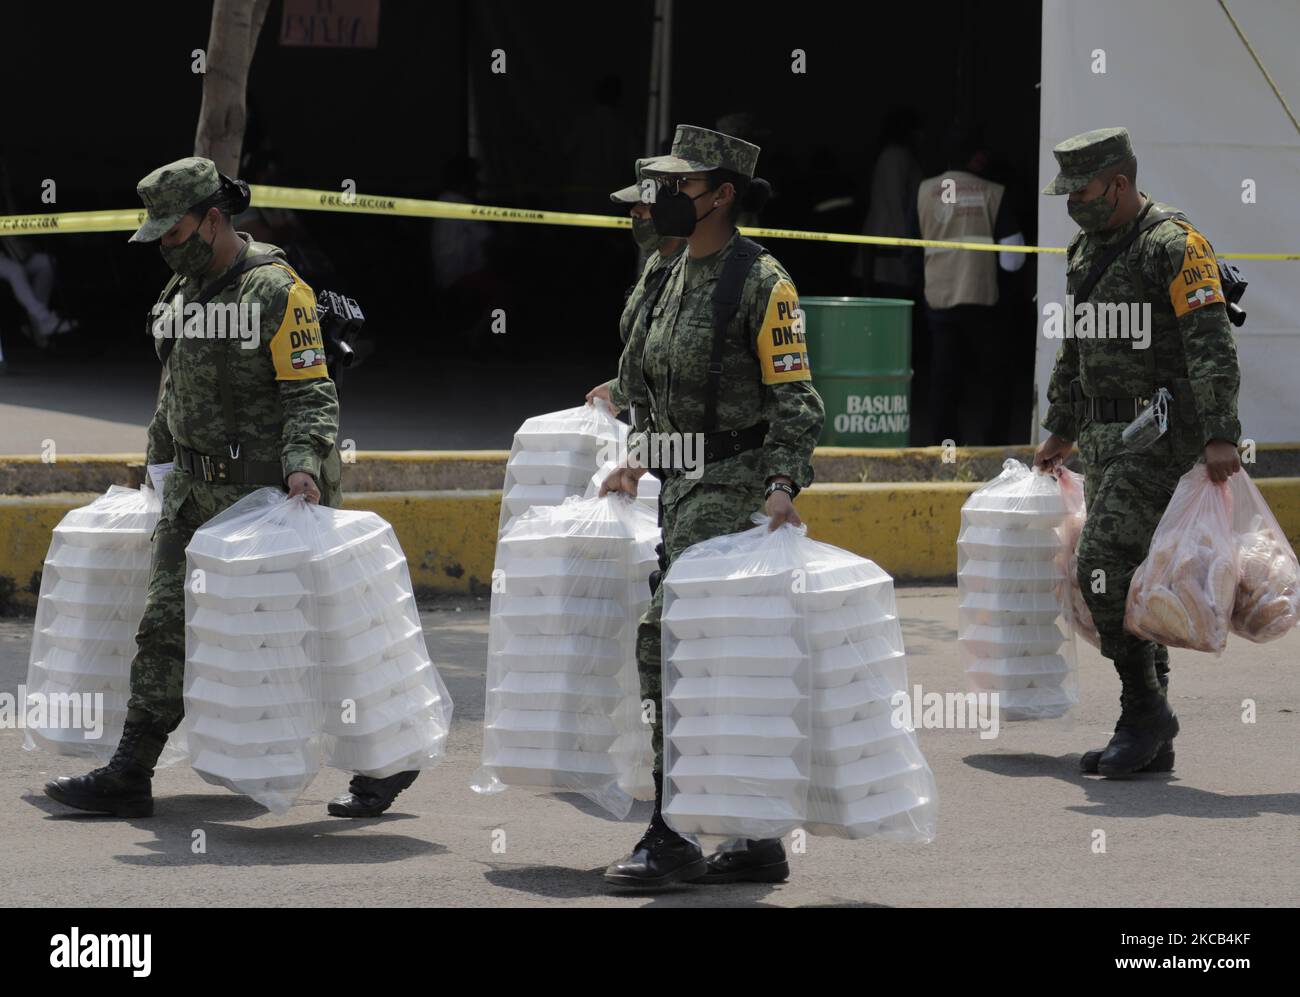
782	351
1196	283
297	348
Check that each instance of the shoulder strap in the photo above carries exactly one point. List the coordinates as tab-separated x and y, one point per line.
726	299
215	288
1146	220
654	285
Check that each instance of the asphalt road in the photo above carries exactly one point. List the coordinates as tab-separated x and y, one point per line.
1017	824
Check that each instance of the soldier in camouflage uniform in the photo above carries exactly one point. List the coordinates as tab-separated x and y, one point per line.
624	391
1100	384
758	450
232	417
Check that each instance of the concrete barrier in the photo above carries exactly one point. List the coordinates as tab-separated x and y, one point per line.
909	529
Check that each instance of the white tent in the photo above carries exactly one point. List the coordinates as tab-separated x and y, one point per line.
1204	121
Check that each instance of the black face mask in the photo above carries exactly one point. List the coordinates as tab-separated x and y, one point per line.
674	214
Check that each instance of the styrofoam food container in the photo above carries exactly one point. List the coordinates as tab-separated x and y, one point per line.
558	691
577	654
561	731
724	616
550	467
991	543
272	591
727	734
1007	609
268	549
1010	642
739	775
744	695
721	656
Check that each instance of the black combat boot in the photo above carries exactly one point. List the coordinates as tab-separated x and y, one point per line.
368	797
1164	759
1146	723
661	858
761	861
122	787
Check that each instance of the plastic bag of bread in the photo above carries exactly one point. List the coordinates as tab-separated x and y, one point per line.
1068	592
1267	602
1182	595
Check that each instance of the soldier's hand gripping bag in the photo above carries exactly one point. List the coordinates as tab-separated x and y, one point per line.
1068	591
563	711
1182	595
93	588
1266	605
1015	632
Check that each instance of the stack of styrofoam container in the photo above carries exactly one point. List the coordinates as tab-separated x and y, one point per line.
93	589
555	455
385	707
1014	636
563	695
737	711
252	690
869	777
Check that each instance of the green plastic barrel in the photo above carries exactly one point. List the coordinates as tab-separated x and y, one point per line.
860	350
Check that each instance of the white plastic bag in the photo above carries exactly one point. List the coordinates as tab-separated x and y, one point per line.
781	660
1182	595
303	649
93	588
555	455
563	710
1014	634
1068	592
1266	605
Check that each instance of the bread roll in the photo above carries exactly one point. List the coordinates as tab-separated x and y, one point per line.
1165	617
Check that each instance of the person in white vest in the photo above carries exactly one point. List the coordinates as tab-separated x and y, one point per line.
961	286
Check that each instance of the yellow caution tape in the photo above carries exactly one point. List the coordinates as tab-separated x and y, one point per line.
410	207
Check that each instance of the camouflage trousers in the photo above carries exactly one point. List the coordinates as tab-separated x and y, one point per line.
1126	493
158	669
703	512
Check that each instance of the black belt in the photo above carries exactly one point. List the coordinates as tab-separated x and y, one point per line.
1114	409
723	444
228	470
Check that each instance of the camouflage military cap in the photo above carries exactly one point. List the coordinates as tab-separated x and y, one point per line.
698	150
630	195
170	191
1084	156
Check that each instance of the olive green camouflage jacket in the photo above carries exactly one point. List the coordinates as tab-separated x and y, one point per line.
766	372
286	408
1191	350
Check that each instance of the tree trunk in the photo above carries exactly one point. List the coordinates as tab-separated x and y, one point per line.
231	43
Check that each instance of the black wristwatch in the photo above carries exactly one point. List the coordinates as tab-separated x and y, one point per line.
780	486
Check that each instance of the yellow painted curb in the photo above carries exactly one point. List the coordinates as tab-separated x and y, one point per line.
908	528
